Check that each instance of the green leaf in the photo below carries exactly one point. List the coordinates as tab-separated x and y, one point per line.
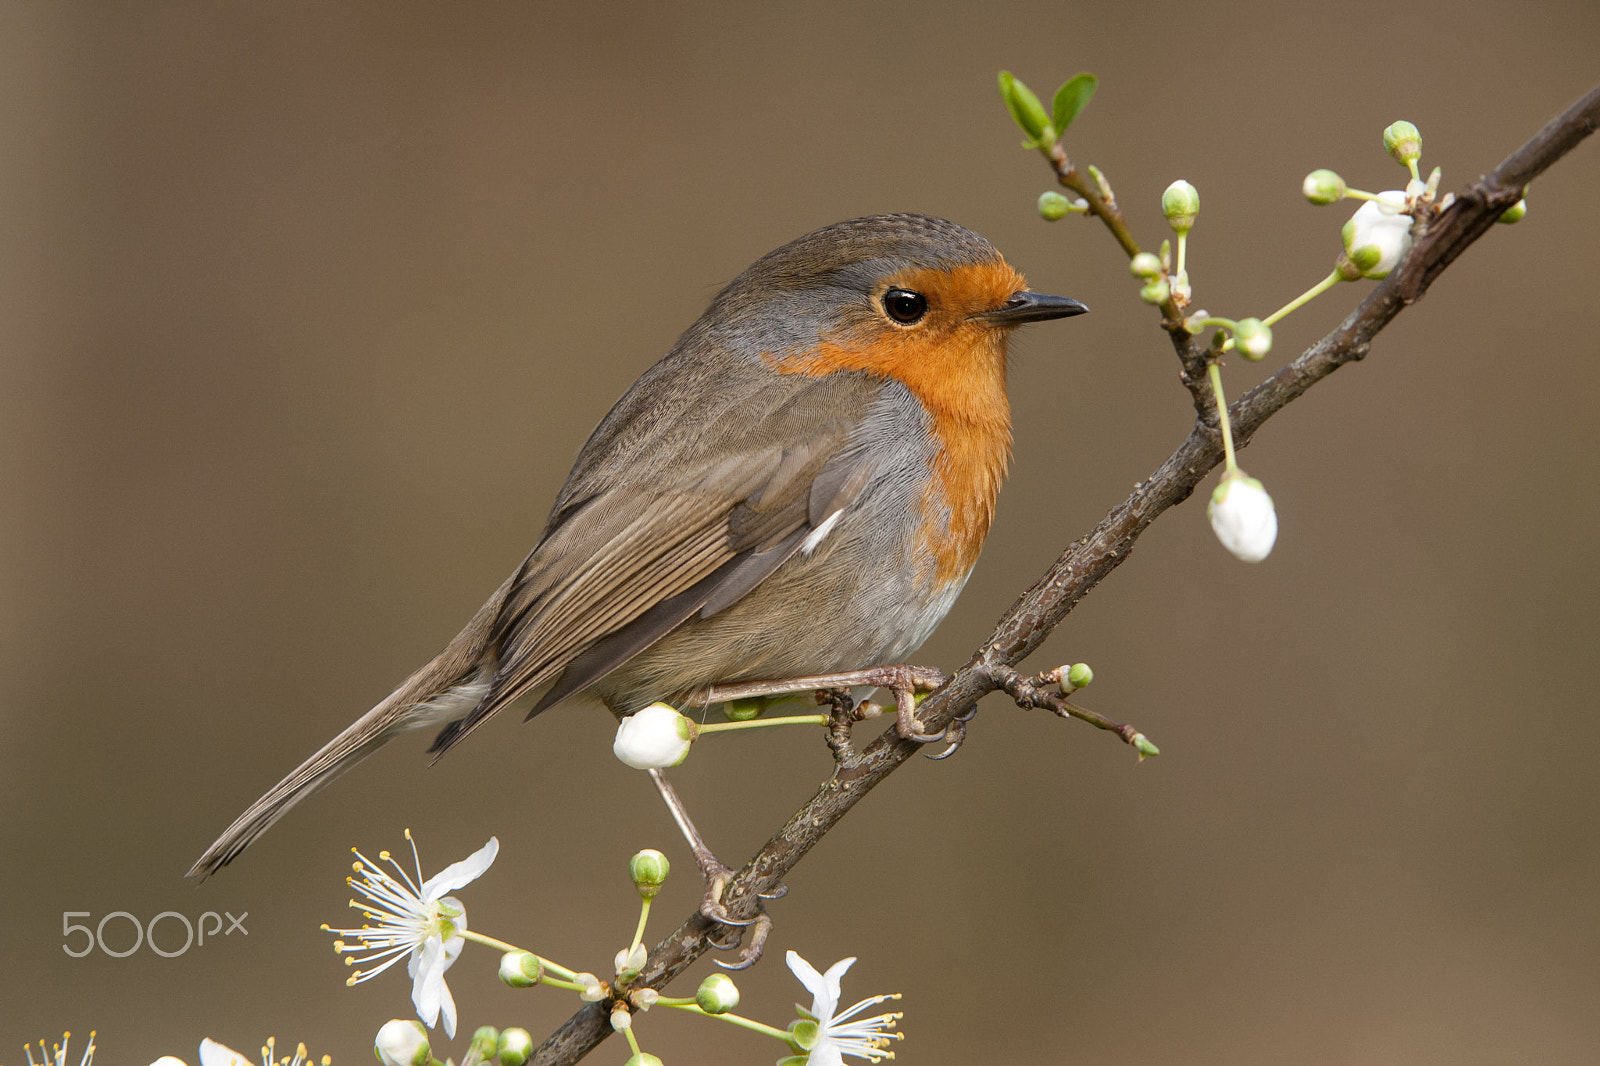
1072	98
1025	107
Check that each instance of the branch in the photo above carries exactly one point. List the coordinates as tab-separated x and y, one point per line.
1086	562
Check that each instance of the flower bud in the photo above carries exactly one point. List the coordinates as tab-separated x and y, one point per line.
485	1042
744	710
621	1019
630	961
1252	338
643	1058
593	990
1243	518
515	1047
1195	324
1156	292
1079	676
653	738
1378	235
1402	141
1323	187
1514	213
1181	204
1145	265
649	870
1144	747
521	969
1026	109
1053	206
717	994
402	1042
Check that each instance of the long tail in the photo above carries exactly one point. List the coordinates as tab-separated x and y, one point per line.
444	690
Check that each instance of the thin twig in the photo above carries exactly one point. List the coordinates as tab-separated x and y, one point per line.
1086	562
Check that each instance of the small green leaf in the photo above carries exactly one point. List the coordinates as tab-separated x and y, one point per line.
1072	98
1025	107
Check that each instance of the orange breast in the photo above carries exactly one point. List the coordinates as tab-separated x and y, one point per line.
956	366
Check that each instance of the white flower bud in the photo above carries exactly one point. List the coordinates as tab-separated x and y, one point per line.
717	994
621	1020
1145	265
1181	204
654	738
1243	518
515	1047
1252	338
1323	187
402	1042
520	969
631	961
593	990
1379	225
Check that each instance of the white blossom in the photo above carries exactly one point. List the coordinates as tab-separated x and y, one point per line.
414	920
839	1033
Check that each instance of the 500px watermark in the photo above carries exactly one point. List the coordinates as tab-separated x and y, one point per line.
145	934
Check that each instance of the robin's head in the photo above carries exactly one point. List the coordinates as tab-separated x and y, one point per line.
915	298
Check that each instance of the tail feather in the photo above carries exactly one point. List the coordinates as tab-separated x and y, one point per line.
446	689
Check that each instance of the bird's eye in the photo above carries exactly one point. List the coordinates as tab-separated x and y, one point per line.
905	306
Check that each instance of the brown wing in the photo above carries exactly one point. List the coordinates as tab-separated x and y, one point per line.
632	560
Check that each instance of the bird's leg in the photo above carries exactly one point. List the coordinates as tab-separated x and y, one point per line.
844	715
903	680
716	873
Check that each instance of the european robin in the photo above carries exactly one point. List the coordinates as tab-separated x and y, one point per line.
799	487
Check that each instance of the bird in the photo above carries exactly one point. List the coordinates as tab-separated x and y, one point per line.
799	487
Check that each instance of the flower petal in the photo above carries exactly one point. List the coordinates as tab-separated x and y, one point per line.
427	967
461	873
215	1054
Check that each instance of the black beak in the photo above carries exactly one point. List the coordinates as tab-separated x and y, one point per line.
1032	307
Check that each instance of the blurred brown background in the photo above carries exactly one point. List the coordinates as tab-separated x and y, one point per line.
307	309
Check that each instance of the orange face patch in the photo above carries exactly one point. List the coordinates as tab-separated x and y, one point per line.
955	364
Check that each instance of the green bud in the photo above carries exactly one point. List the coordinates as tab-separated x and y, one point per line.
1515	212
515	1046
1080	675
717	994
643	1058
1156	292
1181	204
1146	266
1402	141
1323	187
1366	257
521	969
744	710
1166	254
1053	206
1026	109
649	871
1252	338
485	1042
1144	747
